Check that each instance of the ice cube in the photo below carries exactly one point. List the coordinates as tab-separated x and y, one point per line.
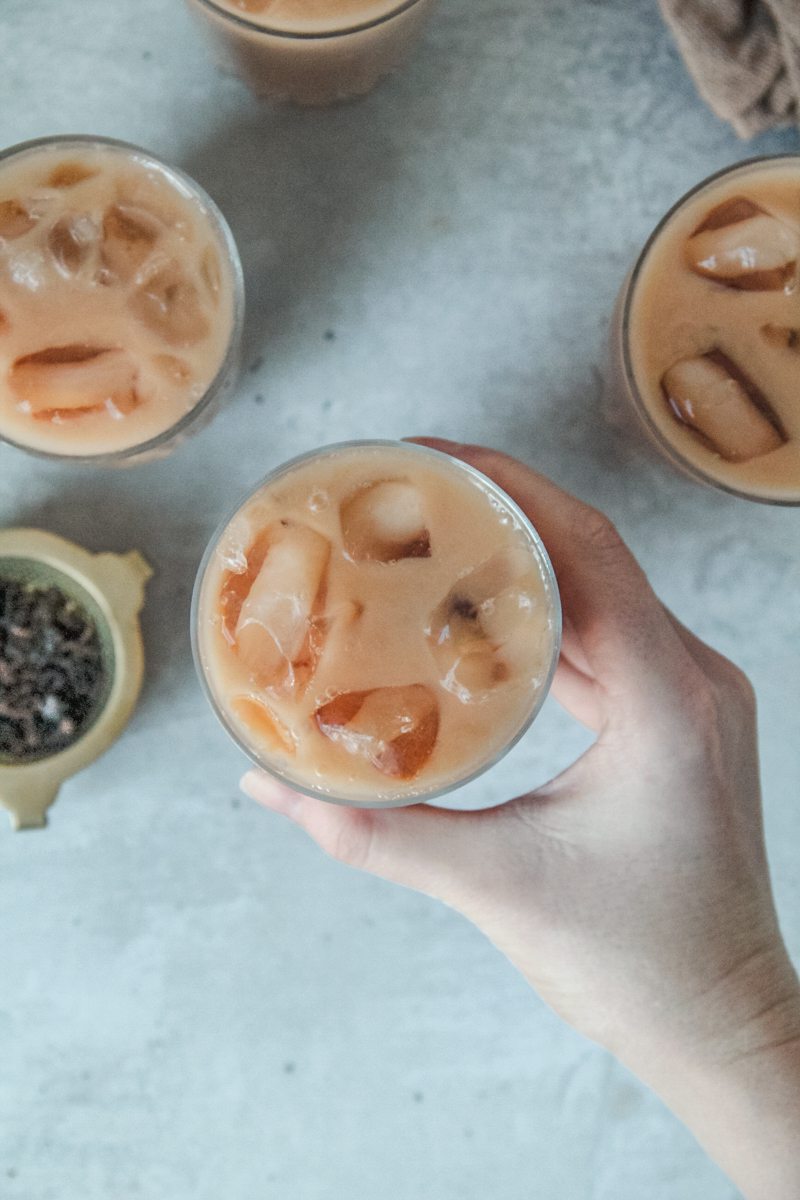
175	369
385	522
71	241
505	612
152	193
237	582
713	397
264	722
129	237
68	174
15	219
393	728
278	632
742	246
27	267
465	656
169	305
470	632
210	271
318	500
785	337
730	212
72	379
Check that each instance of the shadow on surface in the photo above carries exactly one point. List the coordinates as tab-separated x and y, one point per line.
300	186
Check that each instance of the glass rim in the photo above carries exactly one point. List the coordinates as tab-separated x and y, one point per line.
670	450
544	563
225	238
308	35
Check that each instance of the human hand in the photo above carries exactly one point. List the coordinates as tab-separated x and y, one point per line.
633	890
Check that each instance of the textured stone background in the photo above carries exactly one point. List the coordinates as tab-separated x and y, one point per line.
194	1004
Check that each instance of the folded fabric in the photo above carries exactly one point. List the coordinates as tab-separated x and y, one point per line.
744	56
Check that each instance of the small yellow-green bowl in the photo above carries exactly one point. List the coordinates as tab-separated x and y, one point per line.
110	589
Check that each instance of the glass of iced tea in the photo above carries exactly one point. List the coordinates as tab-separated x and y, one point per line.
313	52
706	339
377	623
121	301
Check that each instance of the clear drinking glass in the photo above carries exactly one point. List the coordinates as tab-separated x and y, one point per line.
337	51
87	264
381	621
705	316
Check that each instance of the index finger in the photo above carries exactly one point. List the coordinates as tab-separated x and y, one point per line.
617	616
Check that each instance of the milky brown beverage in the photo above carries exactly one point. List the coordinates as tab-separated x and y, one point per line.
120	300
313	51
377	623
710	331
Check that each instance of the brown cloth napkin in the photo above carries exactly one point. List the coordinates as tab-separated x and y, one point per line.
744	56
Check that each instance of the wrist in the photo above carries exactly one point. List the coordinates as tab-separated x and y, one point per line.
736	1083
752	1009
753	1012
746	1115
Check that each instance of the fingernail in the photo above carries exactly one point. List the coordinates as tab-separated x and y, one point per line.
271	794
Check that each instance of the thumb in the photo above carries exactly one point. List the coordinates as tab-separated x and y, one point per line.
448	855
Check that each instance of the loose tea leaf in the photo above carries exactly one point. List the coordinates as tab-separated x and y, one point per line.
51	670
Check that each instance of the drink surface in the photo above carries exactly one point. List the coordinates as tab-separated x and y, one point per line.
311	16
375	624
116	299
714	332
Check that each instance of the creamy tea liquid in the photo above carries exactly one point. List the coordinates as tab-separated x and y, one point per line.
377	624
313	51
116	299
713	330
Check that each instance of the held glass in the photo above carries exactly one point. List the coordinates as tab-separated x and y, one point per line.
437	634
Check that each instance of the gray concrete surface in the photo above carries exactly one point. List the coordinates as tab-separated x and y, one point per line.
194	1004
